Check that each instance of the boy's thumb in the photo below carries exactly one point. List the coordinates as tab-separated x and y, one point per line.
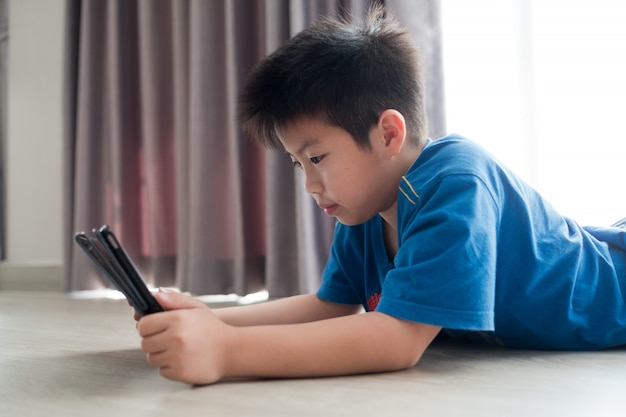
173	300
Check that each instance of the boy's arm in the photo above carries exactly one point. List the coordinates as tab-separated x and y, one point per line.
297	309
189	343
371	342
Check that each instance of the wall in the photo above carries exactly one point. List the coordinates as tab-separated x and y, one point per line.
34	146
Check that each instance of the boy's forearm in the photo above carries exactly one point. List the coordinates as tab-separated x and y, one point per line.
362	343
290	310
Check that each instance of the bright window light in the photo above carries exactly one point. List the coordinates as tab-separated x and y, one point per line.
541	85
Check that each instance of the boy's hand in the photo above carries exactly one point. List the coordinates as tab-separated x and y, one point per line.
188	343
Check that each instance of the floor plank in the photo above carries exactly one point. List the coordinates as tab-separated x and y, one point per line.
66	357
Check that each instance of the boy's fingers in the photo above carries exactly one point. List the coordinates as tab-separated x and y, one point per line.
148	326
173	300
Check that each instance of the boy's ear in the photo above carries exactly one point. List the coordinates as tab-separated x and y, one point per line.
393	126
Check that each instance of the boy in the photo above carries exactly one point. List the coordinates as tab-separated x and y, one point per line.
431	235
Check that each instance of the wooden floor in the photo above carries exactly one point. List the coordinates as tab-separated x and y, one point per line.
66	357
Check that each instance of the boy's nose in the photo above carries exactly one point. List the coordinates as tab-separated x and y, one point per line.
312	184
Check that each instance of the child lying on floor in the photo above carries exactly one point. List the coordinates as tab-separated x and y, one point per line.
431	235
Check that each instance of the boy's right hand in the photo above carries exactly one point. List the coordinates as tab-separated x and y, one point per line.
187	342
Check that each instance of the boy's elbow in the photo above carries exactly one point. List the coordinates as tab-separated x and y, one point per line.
408	360
411	341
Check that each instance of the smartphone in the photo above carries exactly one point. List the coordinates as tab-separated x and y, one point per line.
114	263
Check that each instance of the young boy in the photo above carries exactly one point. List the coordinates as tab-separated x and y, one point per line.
431	235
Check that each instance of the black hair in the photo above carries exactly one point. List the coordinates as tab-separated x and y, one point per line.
343	72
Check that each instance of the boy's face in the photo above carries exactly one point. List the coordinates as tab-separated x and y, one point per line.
347	182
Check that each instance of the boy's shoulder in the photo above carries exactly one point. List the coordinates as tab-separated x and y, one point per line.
449	171
452	154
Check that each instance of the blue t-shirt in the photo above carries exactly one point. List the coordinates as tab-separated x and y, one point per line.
483	255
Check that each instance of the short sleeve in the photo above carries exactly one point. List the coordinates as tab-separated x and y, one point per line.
446	265
337	285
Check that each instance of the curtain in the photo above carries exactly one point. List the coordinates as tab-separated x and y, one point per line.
4	46
153	150
423	19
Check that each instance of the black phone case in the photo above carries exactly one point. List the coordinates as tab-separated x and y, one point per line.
99	257
115	264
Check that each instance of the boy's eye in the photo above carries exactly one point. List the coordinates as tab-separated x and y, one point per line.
316	159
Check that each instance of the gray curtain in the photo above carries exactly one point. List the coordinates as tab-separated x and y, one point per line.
153	150
423	19
4	46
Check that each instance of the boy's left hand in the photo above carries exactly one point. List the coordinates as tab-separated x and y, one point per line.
188	343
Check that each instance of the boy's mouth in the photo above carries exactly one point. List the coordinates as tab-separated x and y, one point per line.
329	210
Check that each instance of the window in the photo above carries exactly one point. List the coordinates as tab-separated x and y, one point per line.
541	85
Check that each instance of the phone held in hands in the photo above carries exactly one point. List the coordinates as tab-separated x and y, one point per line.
106	251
